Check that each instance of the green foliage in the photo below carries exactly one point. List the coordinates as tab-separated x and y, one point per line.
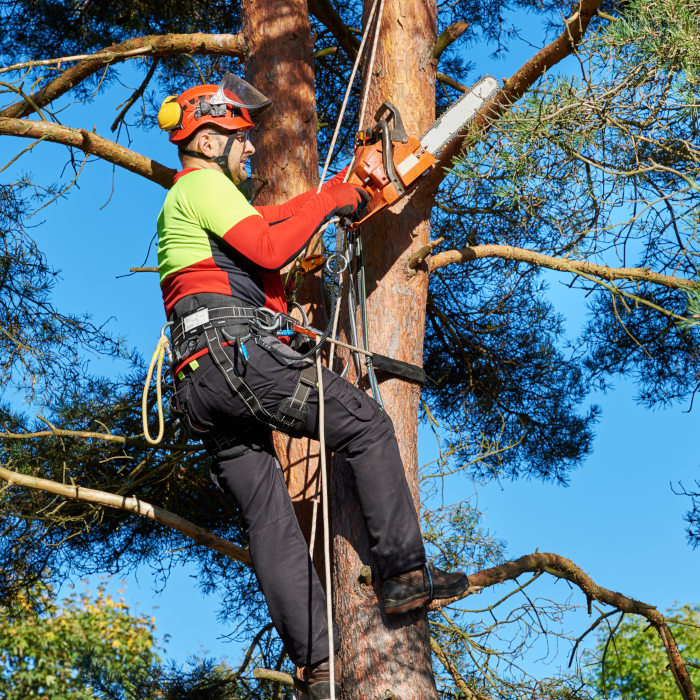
40	347
692	309
662	33
629	661
42	644
601	165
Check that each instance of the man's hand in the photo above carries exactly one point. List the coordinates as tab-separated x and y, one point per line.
348	198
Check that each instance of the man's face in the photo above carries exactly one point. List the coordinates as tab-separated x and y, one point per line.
241	150
213	143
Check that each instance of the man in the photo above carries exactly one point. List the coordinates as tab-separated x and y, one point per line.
219	260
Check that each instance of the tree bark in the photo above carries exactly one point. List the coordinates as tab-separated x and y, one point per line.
381	653
280	64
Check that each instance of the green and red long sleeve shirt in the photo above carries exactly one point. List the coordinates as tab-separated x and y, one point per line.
210	239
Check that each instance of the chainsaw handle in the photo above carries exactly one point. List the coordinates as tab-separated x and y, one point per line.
398	132
388	156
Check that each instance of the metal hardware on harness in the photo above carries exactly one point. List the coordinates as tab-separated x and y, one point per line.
336	269
304	317
275	320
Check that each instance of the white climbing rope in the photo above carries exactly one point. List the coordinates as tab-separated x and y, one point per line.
319	365
326	524
339	121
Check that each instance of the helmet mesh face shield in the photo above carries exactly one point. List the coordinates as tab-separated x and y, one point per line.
239	94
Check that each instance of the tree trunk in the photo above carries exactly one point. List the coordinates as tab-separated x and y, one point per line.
380	654
280	64
390	654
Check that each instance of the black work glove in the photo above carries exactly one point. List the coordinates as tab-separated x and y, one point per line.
348	198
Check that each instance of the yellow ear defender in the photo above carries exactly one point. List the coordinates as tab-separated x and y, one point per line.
170	114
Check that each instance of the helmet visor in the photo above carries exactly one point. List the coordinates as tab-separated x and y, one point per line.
237	92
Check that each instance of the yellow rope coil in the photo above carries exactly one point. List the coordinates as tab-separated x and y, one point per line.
162	347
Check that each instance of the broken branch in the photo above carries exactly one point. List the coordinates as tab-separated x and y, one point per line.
416	260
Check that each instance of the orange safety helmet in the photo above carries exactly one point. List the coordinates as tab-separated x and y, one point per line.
227	105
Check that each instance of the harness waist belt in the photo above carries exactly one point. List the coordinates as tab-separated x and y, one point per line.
194	324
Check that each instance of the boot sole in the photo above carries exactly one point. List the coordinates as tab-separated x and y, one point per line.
406	605
441	594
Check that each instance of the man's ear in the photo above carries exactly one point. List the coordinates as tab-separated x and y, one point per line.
206	143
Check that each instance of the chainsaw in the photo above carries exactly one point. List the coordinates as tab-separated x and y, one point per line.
388	163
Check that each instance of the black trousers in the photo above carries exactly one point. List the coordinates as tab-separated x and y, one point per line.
354	427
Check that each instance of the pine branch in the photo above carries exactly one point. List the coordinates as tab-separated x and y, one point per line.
327	15
508	252
448	37
513	89
131	505
91	143
447	80
136	95
556	565
461	684
156	46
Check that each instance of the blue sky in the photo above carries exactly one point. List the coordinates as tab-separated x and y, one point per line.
619	519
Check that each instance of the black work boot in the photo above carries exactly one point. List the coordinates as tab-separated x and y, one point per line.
413	588
318	679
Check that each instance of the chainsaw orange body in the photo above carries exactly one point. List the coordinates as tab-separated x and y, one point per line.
387	162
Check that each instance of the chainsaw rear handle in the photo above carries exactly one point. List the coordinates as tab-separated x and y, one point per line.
388	156
398	132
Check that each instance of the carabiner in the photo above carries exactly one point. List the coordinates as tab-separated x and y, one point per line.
275	320
334	269
162	330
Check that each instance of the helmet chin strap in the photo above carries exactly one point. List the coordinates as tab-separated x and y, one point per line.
220	160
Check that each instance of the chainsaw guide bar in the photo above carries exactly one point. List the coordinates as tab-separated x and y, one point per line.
453	119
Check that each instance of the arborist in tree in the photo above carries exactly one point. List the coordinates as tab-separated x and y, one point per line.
219	260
